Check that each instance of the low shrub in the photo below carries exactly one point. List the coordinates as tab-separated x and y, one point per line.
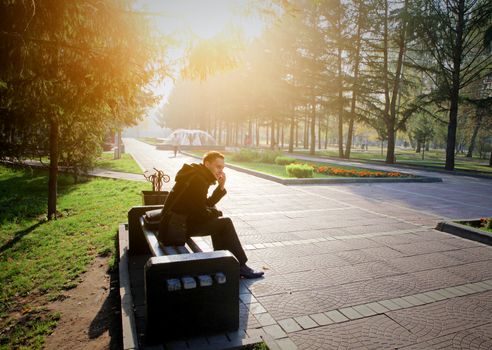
269	156
280	160
299	170
245	155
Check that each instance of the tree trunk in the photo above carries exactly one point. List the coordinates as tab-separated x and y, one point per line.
306	128
219	132
478	122
229	135
340	106
451	138
224	133
282	135
353	104
267	136
455	89
53	173
297	134
319	133
326	132
490	160
291	139
250	132
241	134
340	136
387	100
350	134
257	133
237	142
417	149
277	137
272	135
424	145
390	147
117	153
340	82
393	117
312	146
411	140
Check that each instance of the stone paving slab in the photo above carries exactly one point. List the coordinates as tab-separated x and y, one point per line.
347	265
445	317
377	332
474	338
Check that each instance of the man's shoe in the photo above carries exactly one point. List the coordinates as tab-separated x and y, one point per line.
247	272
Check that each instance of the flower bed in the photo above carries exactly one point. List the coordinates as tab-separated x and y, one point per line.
335	171
484	224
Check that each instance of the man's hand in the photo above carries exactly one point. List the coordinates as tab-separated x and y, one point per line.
221	180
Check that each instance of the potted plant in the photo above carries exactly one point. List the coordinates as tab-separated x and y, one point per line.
156	196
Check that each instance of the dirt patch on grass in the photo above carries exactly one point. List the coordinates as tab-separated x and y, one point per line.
90	313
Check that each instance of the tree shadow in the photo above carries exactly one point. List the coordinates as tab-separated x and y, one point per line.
18	236
24	195
108	318
24	199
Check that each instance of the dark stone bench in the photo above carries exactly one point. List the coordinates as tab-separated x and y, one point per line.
188	292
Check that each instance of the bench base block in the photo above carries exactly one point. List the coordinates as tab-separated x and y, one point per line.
191	312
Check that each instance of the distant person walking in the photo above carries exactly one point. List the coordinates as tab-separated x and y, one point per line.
247	140
175	146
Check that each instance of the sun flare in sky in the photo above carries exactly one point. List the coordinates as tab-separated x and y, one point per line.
191	20
201	18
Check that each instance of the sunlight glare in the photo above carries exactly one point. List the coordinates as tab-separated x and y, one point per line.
199	18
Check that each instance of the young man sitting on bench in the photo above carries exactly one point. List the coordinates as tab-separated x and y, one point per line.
202	217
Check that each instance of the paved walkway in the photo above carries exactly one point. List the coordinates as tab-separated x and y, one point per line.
358	266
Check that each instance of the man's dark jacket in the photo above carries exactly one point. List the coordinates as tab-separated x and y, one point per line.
194	202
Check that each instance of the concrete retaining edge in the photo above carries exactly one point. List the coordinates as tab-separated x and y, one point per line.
128	326
464	231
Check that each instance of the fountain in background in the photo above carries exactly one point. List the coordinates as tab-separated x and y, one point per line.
187	139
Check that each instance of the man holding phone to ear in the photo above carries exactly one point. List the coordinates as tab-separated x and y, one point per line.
203	218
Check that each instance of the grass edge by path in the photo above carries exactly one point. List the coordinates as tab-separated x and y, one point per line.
125	164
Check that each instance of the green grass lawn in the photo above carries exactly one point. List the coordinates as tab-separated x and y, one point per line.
489	230
38	258
279	170
257	346
433	158
125	164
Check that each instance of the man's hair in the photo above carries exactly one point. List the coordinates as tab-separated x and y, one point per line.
211	156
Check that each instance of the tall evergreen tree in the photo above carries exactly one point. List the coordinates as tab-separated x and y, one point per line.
453	32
